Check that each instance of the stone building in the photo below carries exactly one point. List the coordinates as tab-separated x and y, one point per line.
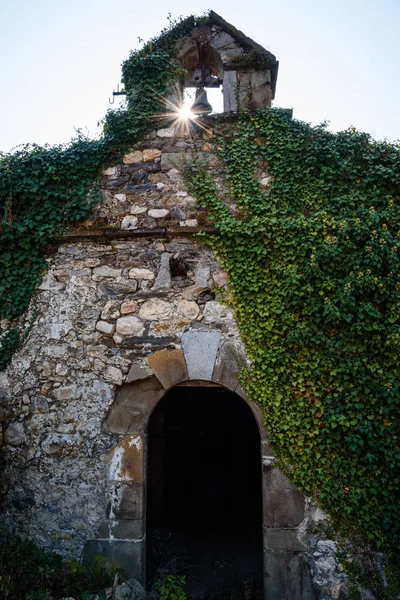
127	416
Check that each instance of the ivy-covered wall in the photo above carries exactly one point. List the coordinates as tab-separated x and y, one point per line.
311	249
312	254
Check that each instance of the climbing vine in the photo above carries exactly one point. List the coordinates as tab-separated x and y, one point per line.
313	257
45	189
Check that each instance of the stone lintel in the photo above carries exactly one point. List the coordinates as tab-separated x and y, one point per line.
117	234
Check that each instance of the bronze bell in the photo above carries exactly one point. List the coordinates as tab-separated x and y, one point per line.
201	105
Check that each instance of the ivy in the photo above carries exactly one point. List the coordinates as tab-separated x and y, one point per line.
314	275
45	189
313	263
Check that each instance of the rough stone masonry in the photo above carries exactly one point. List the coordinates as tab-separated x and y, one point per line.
129	308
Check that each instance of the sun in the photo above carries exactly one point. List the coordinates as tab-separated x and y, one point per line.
178	112
185	113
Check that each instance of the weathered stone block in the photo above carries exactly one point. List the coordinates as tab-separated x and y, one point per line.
200	350
113	375
15	434
106	271
129	307
117	182
110	310
129	555
283	503
133	157
137	189
168	366
155	309
220	278
117	420
50	284
163	280
129	222
286	576
134	342
126	461
189	223
158	213
202	276
166	132
127	501
137	372
276	538
138	210
122	530
172	160
137	273
133	405
110	171
150	154
128	529
228	364
129	326
229	91
259	84
104	327
215	312
189	309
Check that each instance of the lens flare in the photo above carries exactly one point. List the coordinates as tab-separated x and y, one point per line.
177	112
184	112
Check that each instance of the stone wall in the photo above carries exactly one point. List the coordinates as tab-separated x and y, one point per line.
123	293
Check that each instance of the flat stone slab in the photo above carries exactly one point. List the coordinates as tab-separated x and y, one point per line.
200	349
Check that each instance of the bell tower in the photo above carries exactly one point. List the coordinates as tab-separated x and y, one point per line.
217	54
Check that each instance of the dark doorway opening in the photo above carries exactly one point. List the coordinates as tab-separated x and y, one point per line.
204	498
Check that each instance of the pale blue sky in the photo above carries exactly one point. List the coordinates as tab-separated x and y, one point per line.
60	60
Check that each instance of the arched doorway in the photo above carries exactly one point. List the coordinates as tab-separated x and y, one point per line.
204	491
209	365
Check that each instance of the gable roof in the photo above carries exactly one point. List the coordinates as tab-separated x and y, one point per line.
246	43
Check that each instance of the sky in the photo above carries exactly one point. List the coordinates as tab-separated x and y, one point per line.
60	60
